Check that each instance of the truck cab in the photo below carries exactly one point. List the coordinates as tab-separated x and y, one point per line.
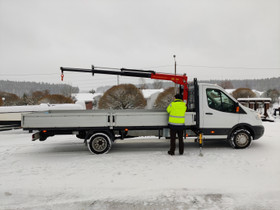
220	116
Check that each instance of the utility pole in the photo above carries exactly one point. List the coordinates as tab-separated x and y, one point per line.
175	65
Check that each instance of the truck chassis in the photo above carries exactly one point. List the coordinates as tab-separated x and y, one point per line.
99	128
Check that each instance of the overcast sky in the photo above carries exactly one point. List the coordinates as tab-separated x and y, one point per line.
212	39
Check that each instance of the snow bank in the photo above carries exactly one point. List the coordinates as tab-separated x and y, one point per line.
61	173
230	90
149	92
254	99
86	96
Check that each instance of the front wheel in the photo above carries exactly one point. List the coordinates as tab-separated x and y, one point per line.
240	139
99	143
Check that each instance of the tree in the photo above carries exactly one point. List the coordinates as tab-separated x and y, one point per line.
38	95
124	96
67	90
157	84
164	98
10	99
56	99
226	84
92	91
273	94
243	93
19	88
143	84
1	102
25	100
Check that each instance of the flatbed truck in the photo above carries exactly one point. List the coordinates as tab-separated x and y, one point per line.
211	111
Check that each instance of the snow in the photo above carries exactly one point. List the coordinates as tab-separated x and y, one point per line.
86	96
230	90
254	99
60	173
276	105
258	93
147	93
151	96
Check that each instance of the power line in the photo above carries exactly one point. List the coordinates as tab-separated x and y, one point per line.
162	66
222	67
230	67
27	74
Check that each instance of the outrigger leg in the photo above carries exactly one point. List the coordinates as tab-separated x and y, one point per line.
200	144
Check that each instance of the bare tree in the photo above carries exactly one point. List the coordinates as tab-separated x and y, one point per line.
143	84
66	90
92	91
56	99
164	98
157	84
273	94
10	99
243	93
226	84
124	96
38	95
25	100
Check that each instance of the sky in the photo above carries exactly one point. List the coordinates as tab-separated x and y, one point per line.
215	39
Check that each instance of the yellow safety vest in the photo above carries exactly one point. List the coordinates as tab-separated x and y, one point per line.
176	111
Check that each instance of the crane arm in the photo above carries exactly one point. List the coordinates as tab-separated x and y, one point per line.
178	79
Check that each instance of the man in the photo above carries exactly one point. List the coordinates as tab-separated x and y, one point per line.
176	121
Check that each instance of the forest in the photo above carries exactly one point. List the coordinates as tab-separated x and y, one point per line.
31	93
21	88
255	84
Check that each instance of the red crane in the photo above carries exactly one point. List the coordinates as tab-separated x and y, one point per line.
182	80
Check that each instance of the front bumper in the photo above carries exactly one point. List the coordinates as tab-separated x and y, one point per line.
258	131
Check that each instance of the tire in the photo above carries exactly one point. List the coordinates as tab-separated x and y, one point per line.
240	139
99	143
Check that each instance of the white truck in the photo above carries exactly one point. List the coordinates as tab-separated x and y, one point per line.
211	111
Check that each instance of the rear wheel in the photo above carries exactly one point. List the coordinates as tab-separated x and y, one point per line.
240	139
99	143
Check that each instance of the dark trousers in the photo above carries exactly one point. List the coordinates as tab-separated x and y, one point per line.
173	131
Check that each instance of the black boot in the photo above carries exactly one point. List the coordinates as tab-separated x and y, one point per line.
170	153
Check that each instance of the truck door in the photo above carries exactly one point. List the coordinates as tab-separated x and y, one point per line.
219	112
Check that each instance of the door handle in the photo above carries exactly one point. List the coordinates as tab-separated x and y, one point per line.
208	113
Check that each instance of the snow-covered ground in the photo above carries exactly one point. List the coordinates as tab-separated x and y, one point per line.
61	173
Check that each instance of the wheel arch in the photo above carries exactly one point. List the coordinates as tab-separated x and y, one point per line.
108	132
242	126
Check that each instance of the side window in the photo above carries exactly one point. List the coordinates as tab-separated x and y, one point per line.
191	100
219	101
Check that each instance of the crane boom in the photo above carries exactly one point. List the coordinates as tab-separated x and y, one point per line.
178	79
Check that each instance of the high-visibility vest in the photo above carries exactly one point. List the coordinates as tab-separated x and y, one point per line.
176	111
